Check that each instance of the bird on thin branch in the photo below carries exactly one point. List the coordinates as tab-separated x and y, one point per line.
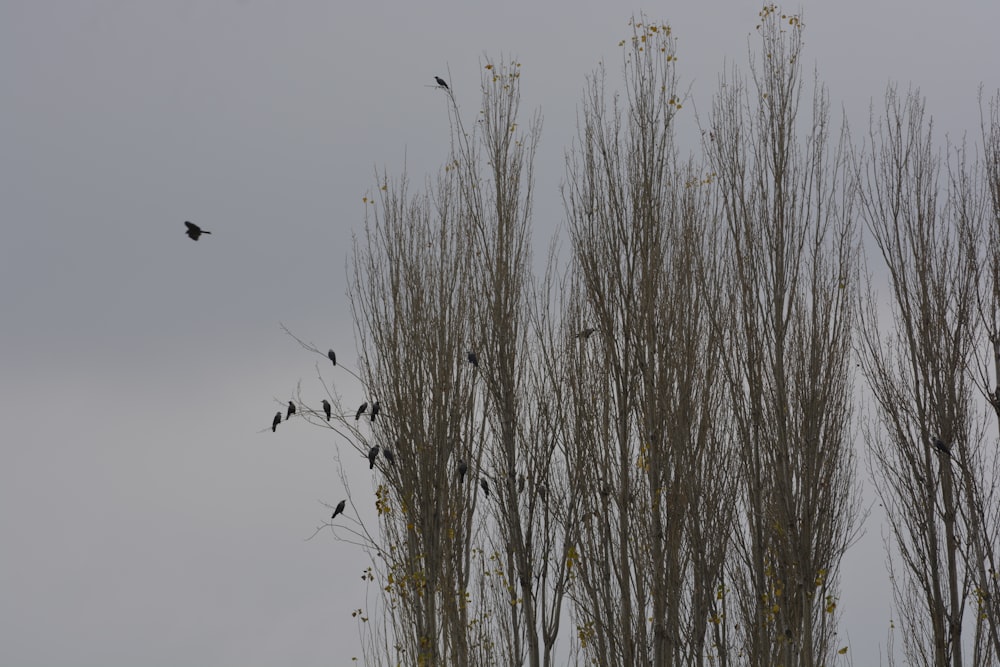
376	408
340	509
277	420
361	411
333	356
441	82
463	468
372	455
291	410
326	408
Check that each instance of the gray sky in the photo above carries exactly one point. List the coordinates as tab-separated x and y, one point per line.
145	518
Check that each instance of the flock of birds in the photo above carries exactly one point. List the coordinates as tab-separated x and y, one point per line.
195	232
374	411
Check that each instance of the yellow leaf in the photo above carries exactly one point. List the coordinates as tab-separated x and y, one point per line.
842	651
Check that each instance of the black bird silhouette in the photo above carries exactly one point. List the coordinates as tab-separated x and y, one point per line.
361	411
274	424
291	410
194	231
473	359
389	455
376	408
586	333
486	487
326	408
441	82
339	510
333	356
940	446
462	469
372	455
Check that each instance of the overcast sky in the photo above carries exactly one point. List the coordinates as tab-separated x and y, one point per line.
148	516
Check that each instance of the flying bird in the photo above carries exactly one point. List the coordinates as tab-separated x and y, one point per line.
462	469
326	408
389	456
291	410
473	359
361	411
376	407
277	420
339	510
194	231
486	487
333	356
441	82
372	455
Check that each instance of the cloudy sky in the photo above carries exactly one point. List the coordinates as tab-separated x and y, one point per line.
148	516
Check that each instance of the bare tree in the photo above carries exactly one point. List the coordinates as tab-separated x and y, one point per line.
520	435
927	456
792	251
646	439
413	302
459	358
983	503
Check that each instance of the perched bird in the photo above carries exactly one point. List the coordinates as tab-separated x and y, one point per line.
389	456
194	231
372	455
486	487
462	469
277	420
586	333
333	356
326	408
376	407
339	510
291	410
473	359
940	446
441	82
361	411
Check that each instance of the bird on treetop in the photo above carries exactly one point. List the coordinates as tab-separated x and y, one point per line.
372	455
277	420
940	446
361	411
326	408
389	455
291	410
339	510
194	231
376	407
333	356
441	82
